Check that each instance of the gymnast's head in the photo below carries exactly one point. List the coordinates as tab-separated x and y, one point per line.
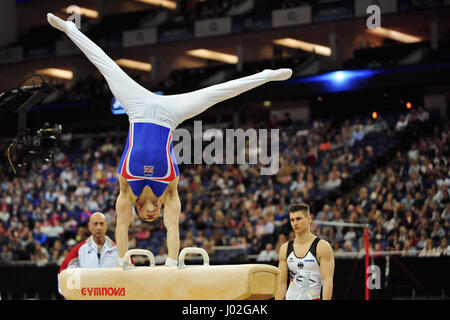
148	210
300	217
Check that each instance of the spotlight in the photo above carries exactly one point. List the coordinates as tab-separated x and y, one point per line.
339	76
374	115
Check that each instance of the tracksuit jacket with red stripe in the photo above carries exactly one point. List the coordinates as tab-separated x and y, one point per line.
86	255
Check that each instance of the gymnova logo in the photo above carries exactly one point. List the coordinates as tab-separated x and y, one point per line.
103	291
228	146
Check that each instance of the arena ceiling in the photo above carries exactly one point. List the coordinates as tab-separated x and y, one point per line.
256	45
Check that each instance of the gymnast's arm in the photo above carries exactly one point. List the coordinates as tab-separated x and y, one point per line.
326	260
124	209
282	265
172	209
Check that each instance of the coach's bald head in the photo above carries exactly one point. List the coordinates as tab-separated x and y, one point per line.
97	227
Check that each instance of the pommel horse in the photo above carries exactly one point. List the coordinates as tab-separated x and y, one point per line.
194	282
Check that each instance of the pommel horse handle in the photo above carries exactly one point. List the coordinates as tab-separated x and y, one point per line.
193	250
132	252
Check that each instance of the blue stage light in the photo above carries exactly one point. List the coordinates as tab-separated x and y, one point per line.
116	107
336	81
339	76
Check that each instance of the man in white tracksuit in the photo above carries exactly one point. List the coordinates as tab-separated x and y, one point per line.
98	251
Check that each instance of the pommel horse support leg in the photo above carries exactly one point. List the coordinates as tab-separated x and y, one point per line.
201	282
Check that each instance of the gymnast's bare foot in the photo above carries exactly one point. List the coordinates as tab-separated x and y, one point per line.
279	74
59	23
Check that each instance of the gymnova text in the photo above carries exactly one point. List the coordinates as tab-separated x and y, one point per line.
222	149
103	291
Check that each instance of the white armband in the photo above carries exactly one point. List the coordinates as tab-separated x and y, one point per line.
171	262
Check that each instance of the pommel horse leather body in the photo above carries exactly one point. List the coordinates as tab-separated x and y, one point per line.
222	282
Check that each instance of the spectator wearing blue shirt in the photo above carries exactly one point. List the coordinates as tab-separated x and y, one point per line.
408	201
38	236
358	135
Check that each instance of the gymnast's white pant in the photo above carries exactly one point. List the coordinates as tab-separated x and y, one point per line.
141	105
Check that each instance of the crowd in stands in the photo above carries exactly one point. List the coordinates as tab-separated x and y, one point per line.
404	194
406	204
